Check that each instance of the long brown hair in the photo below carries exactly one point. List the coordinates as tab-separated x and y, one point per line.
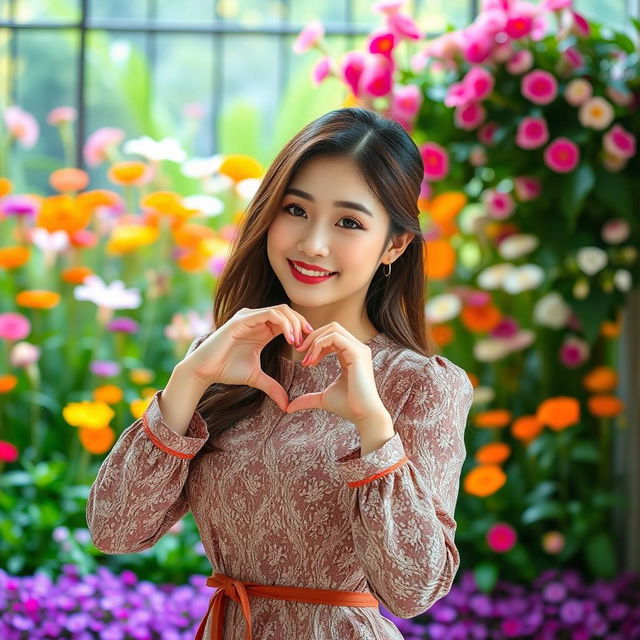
392	167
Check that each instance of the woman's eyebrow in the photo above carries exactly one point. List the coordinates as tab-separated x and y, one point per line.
338	203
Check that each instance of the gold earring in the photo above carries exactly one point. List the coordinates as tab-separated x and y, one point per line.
385	273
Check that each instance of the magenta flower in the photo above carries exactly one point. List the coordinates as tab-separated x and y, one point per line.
499	205
521	61
104	368
519	26
123	324
405	101
540	87
619	141
382	42
501	537
475	45
98	145
532	133
22	126
321	70
507	327
580	26
573	58
436	161
308	37
377	76
562	155
527	188
469	116
479	83
351	70
14	326
19	205
574	352
487	132
8	452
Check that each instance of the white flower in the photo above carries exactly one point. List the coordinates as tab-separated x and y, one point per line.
517	245
219	183
615	231
596	113
577	91
523	278
483	394
209	206
591	259
623	280
552	311
443	307
247	188
50	241
202	167
113	296
490	350
492	277
581	289
166	149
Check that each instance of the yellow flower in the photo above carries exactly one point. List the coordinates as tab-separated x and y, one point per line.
91	415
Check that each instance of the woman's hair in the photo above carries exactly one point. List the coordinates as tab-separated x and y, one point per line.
392	167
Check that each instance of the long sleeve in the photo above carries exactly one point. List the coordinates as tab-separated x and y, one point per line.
139	492
403	494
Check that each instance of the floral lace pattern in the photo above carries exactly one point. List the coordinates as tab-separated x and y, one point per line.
291	502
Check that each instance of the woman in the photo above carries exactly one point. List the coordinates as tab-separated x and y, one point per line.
332	484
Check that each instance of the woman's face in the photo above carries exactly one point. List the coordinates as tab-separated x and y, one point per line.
317	224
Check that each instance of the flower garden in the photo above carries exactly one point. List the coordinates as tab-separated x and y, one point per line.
527	120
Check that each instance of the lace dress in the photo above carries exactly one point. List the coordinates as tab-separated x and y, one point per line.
291	501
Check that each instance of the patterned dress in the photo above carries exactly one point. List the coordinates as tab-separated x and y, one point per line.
291	501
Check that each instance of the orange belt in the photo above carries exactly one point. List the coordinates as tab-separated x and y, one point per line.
239	591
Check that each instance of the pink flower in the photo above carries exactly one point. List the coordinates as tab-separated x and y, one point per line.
8	452
382	42
486	132
479	83
619	141
444	46
501	537
405	101
527	188
98	144
520	62
573	58
351	70
14	326
553	542
580	26
377	76
321	70
404	27
59	115
436	161
519	26
308	37
499	205
555	5
574	352
22	126
388	7
478	156
457	94
616	231
562	155
475	45
502	52
540	87
469	116
621	98
532	133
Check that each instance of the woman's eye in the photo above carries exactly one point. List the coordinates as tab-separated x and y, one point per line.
356	222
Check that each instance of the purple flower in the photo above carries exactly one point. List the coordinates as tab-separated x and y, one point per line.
123	324
104	368
554	592
572	611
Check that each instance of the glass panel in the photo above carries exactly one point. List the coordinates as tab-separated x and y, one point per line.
39	88
329	11
173	88
49	10
193	11
434	16
118	9
611	12
252	13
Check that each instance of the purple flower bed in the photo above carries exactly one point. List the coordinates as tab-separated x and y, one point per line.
558	605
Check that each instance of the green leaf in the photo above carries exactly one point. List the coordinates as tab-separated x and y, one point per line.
576	188
584	452
614	192
486	576
541	491
542	510
600	554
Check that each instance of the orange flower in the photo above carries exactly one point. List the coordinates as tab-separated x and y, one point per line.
97	441
439	259
69	180
129	173
442	334
62	213
492	419
446	206
8	383
559	412
193	261
75	275
14	257
108	393
480	319
91	200
526	428
473	378
493	453
191	234
611	329
484	480
240	167
6	186
447	228
164	203
600	379
605	406
35	299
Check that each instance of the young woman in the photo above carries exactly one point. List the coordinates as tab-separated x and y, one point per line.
320	488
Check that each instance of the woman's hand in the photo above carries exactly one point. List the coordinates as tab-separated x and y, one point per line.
353	394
